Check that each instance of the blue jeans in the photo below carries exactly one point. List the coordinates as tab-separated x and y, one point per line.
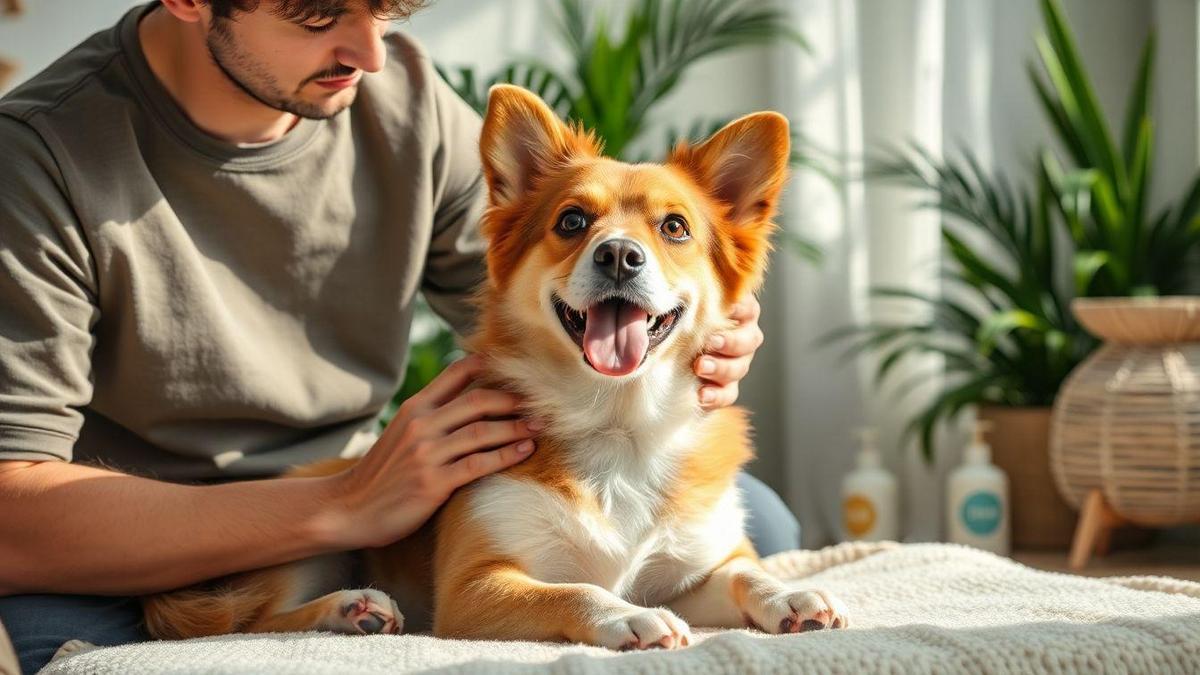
772	527
39	624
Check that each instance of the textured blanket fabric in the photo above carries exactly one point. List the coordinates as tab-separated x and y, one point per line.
927	608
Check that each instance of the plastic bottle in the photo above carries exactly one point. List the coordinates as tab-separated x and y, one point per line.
977	509
870	505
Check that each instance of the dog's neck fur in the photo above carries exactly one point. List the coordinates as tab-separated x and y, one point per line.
618	437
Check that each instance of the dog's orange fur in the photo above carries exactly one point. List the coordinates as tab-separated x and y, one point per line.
473	589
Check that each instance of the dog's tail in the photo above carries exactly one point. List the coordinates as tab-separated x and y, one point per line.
194	612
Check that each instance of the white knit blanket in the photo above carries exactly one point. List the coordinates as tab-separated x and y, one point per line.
925	608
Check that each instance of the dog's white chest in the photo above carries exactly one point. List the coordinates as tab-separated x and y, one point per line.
625	548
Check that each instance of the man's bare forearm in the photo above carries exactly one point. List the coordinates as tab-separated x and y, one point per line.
68	528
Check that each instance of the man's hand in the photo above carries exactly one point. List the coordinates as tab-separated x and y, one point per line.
440	439
726	358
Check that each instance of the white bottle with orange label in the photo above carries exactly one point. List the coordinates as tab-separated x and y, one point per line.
870	502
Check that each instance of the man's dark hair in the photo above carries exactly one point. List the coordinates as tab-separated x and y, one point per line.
304	10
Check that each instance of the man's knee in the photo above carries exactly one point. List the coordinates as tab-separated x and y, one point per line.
772	527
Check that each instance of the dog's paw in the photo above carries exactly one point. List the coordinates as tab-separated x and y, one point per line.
797	612
641	628
367	611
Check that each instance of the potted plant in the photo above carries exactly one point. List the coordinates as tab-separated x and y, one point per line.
1004	325
612	86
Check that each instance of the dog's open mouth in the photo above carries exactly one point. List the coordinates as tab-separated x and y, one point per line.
615	334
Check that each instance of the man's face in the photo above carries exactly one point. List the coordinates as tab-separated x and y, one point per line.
309	66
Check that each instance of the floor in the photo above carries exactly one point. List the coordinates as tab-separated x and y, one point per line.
1171	560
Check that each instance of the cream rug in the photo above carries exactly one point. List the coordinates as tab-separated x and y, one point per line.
918	608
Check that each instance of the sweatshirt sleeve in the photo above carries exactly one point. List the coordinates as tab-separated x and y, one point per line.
48	303
455	265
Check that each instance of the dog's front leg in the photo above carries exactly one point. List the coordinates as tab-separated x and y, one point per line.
739	592
506	603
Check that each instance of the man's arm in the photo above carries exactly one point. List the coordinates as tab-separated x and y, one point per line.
454	264
69	528
76	529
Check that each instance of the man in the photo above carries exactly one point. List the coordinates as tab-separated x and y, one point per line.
214	218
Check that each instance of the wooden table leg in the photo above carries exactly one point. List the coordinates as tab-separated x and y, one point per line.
1091	522
1093	534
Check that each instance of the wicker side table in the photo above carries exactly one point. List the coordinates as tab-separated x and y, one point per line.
1125	431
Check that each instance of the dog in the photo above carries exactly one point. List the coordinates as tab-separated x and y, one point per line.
625	528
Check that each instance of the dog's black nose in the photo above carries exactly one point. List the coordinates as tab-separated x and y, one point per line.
620	259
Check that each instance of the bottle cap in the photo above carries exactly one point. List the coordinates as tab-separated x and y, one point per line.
868	456
979	452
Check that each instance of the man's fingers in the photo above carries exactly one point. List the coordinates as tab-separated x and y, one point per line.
480	435
722	371
746	310
737	342
479	464
450	382
713	397
470	407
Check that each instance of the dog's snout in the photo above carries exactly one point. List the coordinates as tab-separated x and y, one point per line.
620	259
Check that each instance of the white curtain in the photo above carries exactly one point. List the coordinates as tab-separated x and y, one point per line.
945	74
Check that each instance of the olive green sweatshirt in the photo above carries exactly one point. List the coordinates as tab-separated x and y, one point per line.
181	307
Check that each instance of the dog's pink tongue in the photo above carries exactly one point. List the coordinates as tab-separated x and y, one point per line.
615	340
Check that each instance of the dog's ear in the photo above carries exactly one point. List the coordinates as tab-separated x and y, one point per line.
522	139
743	167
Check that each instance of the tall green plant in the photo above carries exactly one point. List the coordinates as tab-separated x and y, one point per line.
1120	249
1003	325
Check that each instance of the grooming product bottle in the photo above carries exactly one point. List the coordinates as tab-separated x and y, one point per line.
977	499
870	503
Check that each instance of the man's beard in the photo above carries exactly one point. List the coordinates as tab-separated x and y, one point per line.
257	82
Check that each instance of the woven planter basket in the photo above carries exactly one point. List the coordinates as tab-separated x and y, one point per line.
1127	420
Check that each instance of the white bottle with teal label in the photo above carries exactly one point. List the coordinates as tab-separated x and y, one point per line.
977	499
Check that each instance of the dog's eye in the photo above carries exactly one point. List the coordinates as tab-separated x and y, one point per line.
572	221
675	229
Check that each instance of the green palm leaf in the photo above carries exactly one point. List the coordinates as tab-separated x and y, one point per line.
542	80
1064	67
947	406
1138	108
